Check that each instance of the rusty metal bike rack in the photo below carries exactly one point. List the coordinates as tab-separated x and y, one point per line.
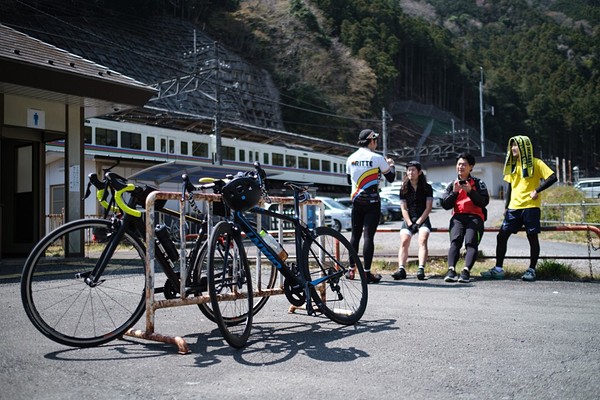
152	304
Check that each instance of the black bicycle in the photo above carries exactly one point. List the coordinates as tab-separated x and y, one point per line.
327	270
84	283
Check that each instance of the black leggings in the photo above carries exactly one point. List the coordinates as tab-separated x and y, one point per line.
501	244
365	217
467	228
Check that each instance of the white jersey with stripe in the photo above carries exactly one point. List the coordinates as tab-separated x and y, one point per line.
365	168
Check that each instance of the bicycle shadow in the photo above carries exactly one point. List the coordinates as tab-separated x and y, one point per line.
273	342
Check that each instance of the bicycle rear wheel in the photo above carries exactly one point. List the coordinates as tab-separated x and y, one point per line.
341	299
230	284
66	309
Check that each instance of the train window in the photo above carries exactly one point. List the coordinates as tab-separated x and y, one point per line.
106	137
278	159
130	140
335	168
303	162
163	145
314	164
265	158
200	149
250	158
184	148
171	146
242	155
150	143
87	134
290	161
228	153
326	165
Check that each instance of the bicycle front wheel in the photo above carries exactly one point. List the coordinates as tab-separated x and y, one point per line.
343	296
199	276
58	301
230	284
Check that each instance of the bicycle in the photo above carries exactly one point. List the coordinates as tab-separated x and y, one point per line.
84	283
327	270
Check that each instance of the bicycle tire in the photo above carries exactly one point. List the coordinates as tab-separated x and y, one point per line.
230	284
67	310
199	277
341	299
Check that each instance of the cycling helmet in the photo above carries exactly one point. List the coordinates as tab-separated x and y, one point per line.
241	194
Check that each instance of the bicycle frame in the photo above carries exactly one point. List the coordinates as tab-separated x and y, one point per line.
301	232
136	226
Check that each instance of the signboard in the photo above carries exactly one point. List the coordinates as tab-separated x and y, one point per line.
36	118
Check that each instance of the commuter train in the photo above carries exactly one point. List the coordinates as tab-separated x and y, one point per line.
141	148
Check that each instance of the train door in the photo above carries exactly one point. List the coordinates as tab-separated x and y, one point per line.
167	145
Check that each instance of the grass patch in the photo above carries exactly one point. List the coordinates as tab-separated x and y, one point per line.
547	270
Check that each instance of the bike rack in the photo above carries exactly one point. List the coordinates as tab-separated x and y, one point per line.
152	304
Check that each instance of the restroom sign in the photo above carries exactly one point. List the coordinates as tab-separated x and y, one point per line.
36	118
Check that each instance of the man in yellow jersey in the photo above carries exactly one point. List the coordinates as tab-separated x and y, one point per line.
527	176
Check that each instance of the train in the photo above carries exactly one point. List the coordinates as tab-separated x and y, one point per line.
158	156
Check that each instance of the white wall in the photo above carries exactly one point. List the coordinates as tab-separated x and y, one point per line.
489	172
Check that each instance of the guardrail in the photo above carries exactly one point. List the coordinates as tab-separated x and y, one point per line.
563	210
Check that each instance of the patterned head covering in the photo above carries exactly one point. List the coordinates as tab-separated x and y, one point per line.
525	153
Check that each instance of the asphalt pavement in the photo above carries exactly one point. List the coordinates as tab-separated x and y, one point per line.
417	340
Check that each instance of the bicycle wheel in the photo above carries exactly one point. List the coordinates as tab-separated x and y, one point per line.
66	309
341	299
230	284
199	276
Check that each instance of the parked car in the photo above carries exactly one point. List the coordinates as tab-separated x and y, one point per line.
393	203
590	187
312	217
341	215
439	188
385	212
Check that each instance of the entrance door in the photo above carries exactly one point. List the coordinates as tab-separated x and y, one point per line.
20	197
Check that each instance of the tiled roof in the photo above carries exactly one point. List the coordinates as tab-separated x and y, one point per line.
28	64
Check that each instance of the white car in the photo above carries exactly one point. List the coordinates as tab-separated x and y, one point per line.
439	189
341	215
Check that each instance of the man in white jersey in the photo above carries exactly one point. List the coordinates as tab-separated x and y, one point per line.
364	168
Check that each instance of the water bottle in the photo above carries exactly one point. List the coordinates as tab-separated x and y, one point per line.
274	244
164	241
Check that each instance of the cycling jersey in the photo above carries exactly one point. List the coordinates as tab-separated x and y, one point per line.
364	168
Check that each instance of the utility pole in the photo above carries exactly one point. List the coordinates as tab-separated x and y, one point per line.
218	155
384	117
481	113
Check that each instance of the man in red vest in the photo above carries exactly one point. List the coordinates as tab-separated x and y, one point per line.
467	196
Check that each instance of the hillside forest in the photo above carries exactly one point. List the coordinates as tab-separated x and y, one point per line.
338	63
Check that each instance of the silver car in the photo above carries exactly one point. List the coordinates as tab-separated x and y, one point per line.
341	215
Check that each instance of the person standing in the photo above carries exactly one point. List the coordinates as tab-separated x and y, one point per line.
467	197
416	202
527	177
364	168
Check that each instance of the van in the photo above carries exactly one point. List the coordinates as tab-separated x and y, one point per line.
590	187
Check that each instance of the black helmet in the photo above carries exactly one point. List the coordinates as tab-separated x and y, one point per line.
241	194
